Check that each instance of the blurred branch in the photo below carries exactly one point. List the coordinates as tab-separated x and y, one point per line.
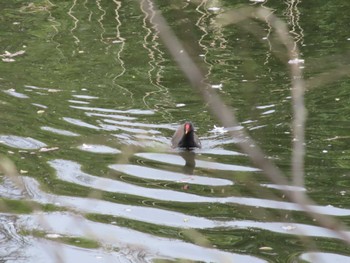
328	77
298	88
8	168
226	115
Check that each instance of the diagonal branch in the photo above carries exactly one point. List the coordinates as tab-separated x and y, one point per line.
227	118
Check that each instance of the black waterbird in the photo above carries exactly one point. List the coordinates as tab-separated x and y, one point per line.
185	137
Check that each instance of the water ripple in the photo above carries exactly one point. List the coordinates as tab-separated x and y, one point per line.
87	97
78	102
168	218
156	174
127	240
109	127
177	160
59	131
8	189
321	257
131	111
285	187
71	172
95	148
16	94
138	124
80	123
9	236
219	151
113	116
21	142
40	250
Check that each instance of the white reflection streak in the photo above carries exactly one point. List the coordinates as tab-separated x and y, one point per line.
90	12
148	16
76	20
156	58
199	23
119	38
119	59
269	30
293	14
54	24
100	20
268	52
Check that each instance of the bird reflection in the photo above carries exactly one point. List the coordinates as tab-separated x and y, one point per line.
190	164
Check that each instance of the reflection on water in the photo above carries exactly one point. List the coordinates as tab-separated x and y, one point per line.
107	97
59	131
285	187
190	163
167	218
16	94
21	142
126	241
144	214
177	160
70	172
130	111
163	175
324	257
98	148
80	123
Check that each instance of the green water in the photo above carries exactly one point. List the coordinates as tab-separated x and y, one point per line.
85	61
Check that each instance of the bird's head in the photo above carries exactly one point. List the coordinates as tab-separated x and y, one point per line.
188	127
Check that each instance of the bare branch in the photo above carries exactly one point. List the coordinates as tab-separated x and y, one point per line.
227	118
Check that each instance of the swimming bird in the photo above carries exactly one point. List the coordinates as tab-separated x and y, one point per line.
185	137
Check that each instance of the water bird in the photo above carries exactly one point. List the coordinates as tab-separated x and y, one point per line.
185	137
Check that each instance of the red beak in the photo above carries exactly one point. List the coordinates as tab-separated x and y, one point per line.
187	128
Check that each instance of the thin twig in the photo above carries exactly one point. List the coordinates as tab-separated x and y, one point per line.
328	77
298	90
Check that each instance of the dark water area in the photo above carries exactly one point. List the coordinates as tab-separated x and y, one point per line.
89	100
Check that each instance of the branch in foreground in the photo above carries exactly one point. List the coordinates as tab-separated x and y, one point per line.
227	118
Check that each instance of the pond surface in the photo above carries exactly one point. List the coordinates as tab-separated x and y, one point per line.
89	100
